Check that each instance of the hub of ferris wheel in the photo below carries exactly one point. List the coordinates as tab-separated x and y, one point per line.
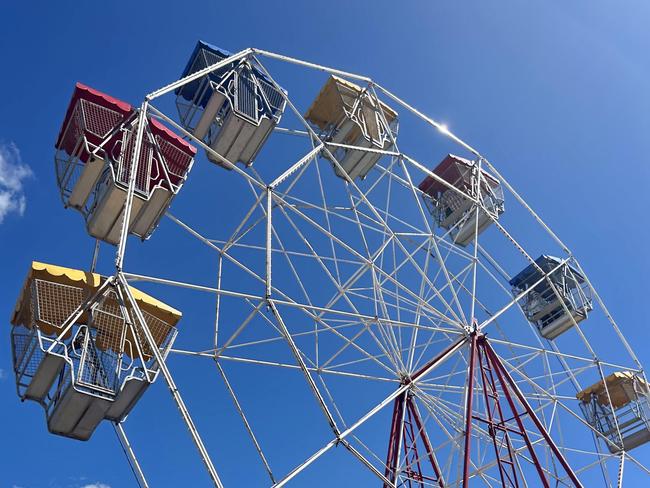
87	346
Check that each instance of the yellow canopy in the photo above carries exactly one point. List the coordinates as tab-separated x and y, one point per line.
620	386
337	95
55	304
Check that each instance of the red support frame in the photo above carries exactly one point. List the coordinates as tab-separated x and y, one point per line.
497	427
407	428
503	374
396	434
468	410
497	385
492	371
406	419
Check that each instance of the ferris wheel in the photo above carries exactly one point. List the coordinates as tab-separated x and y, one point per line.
444	334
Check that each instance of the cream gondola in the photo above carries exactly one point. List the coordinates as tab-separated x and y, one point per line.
344	113
96	368
627	413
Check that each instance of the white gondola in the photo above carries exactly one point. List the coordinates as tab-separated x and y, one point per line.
544	303
347	114
628	413
233	110
455	212
93	160
94	371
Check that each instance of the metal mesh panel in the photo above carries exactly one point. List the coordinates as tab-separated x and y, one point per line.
273	96
95	353
123	164
349	97
109	322
54	303
462	179
362	109
27	354
208	58
448	203
492	198
98	369
160	330
98	120
89	120
68	165
245	95
102	347
74	131
178	162
68	170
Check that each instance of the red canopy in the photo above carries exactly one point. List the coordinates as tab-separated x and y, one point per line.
454	170
159	129
178	156
96	119
83	92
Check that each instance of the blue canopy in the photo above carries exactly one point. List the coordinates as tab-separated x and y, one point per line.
206	54
530	274
220	54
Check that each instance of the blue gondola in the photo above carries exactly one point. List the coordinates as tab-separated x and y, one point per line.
233	110
543	305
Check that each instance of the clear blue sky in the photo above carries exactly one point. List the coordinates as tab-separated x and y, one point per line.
554	93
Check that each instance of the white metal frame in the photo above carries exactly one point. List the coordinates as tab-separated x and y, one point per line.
450	323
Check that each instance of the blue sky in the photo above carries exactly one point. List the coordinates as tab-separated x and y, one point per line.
555	94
